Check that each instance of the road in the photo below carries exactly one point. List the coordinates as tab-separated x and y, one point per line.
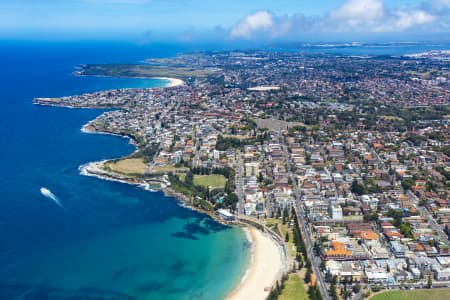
239	179
431	220
304	228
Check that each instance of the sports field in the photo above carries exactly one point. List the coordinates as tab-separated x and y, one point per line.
426	294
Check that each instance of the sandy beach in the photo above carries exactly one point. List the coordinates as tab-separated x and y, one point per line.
264	268
173	82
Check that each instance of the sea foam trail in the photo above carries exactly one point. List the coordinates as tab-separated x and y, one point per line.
47	193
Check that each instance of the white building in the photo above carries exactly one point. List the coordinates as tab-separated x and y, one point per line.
335	211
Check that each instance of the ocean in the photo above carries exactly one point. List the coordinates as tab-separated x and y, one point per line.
108	240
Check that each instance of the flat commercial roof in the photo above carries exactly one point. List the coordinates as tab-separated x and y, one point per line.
224	212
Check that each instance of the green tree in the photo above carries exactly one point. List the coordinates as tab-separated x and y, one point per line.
189	178
429	282
323	265
406	230
308	275
358	188
231	200
407	183
356	288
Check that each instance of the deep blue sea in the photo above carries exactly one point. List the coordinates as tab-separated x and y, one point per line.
110	240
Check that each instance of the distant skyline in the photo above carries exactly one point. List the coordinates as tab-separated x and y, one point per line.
225	20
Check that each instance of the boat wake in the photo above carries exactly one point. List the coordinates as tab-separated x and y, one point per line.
47	193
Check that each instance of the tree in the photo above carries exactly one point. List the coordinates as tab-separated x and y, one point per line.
314	293
278	213
308	275
287	237
429	282
406	230
231	200
332	291
376	288
300	264
358	188
260	177
345	293
323	265
283	219
316	247
189	178
407	183
371	217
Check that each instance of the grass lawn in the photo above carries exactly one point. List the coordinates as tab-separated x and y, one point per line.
272	222
128	166
214	180
180	171
413	295
391	118
277	226
169	169
294	289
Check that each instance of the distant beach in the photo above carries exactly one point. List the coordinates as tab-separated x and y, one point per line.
264	268
173	82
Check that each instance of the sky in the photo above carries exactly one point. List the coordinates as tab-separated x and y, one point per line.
243	20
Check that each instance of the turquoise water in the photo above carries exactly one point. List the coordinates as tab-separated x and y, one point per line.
110	240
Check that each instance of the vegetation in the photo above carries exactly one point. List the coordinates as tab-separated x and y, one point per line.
406	230
205	186
357	188
294	289
128	166
142	70
213	181
225	143
147	153
413	295
396	215
298	240
179	170
333	292
314	293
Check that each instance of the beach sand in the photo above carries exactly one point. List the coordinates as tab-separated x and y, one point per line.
264	268
173	82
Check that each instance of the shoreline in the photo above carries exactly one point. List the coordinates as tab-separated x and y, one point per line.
87	129
173	82
266	261
93	169
263	268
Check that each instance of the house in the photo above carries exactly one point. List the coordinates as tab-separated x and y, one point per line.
397	249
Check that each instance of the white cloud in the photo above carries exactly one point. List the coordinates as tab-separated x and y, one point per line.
373	16
251	24
352	16
359	11
406	20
